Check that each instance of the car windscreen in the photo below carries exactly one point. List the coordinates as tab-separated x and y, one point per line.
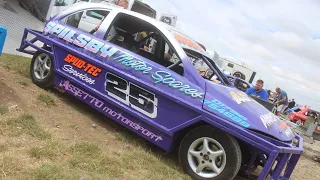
206	67
186	42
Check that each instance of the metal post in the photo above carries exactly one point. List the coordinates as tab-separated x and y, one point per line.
267	167
292	163
280	165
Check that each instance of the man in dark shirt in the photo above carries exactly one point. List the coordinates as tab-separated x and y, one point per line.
292	103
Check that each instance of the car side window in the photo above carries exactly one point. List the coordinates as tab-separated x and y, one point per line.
97	1
144	39
88	20
64	2
97	14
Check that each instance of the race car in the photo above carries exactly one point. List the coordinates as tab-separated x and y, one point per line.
165	93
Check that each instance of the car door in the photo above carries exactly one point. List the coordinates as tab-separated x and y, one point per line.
141	80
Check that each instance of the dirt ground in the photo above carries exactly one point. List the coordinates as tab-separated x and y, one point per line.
67	129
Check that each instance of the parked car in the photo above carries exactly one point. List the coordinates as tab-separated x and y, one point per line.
167	95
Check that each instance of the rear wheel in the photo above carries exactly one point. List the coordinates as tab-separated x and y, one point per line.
42	70
209	154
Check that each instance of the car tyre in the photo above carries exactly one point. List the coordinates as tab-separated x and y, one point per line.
221	163
42	70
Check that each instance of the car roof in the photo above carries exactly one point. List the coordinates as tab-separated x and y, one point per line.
158	24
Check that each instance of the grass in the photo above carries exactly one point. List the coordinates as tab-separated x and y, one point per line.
51	150
89	157
47	99
3	147
23	83
4	110
50	171
24	124
19	64
85	148
9	166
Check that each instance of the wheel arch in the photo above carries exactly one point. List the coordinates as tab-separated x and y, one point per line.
179	135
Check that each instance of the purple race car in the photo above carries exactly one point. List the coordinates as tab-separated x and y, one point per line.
162	85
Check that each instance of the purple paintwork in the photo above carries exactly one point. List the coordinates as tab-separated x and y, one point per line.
221	106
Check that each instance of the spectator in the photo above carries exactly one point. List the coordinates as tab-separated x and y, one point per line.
316	118
258	91
121	3
292	104
282	100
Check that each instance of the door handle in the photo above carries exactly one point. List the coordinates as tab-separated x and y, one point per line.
84	17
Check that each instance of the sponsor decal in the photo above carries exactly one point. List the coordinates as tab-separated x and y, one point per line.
69	69
285	129
106	51
71	88
228	112
240	97
188	42
132	95
268	119
165	77
81	64
133	63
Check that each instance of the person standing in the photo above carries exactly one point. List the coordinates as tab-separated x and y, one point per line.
282	100
121	3
258	91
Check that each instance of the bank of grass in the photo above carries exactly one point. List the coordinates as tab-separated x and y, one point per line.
87	160
50	157
47	99
17	63
53	158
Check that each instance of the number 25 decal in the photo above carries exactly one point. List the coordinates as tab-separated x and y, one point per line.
131	95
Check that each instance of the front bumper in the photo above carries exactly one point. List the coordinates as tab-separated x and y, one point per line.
278	160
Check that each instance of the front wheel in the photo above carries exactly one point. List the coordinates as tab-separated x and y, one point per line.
42	70
209	154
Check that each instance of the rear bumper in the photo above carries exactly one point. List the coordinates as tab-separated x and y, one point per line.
31	43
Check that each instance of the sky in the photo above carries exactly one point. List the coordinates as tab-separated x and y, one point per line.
279	39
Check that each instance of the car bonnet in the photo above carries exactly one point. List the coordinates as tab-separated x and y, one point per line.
237	107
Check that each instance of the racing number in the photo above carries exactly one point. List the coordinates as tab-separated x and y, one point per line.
117	87
131	95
